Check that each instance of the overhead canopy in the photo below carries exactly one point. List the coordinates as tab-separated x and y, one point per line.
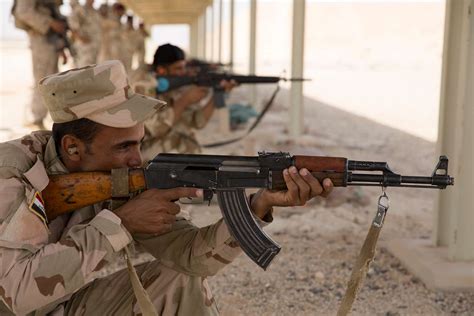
166	11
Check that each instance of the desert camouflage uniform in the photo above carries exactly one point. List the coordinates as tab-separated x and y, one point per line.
66	265
71	264
107	25
129	46
87	22
161	135
43	53
140	49
116	36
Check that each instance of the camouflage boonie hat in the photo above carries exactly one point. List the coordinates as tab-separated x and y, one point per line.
100	93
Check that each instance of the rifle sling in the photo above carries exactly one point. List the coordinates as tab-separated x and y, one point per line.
143	299
254	125
120	190
361	266
120	195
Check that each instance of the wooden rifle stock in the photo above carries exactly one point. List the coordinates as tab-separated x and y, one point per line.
69	192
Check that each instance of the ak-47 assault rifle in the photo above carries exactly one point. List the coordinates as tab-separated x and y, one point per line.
213	80
228	176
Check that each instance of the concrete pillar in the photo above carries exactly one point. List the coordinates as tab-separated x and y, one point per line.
211	35
231	37
193	37
297	64
219	48
455	210
253	49
201	39
450	264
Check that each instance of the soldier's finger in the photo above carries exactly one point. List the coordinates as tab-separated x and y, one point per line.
167	218
328	186
316	187
304	190
292	193
177	193
172	208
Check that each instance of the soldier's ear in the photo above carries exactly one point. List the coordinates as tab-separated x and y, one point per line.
72	147
161	71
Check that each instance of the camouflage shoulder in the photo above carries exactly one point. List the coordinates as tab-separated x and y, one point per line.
19	155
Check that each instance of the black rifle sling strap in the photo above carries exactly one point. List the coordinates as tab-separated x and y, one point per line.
366	255
254	125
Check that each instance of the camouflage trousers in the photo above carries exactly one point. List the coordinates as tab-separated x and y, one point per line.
45	62
171	292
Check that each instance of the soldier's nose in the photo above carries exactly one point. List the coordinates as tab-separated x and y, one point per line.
135	161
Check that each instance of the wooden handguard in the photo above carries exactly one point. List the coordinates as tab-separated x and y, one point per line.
69	192
334	168
319	164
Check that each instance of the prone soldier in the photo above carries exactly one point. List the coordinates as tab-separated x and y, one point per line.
190	107
64	266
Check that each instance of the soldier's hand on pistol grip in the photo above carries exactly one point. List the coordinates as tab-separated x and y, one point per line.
302	187
228	85
153	211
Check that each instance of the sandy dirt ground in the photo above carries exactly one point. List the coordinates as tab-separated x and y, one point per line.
320	241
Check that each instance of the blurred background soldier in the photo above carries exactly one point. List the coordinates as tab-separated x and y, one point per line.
129	43
85	24
142	35
41	20
106	25
116	33
190	107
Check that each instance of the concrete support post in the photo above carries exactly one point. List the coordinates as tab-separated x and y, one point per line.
253	48
223	113
297	64
201	39
219	48
455	213
231	37
193	37
449	265
211	35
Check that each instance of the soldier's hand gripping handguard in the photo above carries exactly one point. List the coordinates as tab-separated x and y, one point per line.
228	177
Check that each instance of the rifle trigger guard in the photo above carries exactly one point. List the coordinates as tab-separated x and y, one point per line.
242	226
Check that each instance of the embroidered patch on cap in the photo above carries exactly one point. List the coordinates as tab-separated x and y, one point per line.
37	207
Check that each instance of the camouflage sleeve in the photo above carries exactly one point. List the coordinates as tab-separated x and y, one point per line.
35	273
160	123
193	117
26	11
196	251
192	250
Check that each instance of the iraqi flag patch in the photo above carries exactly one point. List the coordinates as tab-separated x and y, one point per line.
37	207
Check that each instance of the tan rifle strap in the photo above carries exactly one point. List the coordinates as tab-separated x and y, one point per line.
366	256
143	299
120	189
